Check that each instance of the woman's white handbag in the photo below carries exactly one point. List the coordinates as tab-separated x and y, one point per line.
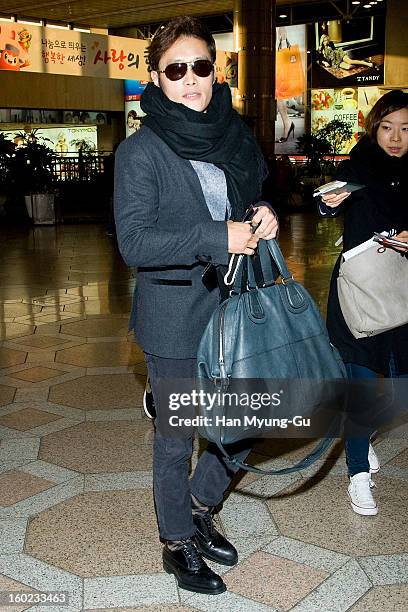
373	290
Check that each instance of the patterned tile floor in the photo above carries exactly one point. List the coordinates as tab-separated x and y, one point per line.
76	509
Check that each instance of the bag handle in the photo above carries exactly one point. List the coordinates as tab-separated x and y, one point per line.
267	253
279	260
235	259
306	462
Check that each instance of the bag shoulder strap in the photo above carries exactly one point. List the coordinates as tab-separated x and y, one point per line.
306	462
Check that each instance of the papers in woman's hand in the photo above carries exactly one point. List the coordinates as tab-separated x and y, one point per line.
379	238
389	242
336	187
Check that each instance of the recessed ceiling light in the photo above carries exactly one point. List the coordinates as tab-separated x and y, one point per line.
367	5
283	16
356	2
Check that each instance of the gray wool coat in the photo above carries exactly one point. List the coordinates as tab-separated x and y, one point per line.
165	229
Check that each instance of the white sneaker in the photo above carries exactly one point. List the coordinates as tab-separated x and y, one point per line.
361	497
373	460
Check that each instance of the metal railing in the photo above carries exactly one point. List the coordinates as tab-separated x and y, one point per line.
78	168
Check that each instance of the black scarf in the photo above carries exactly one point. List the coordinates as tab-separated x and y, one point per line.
388	176
378	161
218	136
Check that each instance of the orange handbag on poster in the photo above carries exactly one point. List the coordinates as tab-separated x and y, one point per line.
290	77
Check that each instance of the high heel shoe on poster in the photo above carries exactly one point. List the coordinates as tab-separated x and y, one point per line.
374	65
291	131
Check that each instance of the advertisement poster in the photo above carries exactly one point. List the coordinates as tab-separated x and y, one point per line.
290	87
348	53
367	97
133	112
45	116
336	104
290	82
227	68
31	48
29	115
349	104
64	141
85	117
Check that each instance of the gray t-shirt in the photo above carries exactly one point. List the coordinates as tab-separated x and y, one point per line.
214	186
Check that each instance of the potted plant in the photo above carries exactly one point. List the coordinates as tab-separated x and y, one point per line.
32	175
314	147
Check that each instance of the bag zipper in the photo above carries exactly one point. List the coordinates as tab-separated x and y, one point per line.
223	373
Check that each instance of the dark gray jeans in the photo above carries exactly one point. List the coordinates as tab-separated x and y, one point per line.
171	484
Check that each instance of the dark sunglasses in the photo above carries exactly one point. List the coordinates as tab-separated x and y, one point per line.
202	68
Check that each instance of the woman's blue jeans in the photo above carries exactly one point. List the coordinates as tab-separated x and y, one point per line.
357	447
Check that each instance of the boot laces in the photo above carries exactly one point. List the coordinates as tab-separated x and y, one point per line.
192	555
209	523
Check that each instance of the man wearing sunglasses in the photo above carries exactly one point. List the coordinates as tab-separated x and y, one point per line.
183	183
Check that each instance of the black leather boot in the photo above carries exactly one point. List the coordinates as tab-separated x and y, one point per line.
210	543
192	573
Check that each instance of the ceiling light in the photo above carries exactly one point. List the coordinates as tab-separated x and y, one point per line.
367	5
356	2
6	18
283	16
86	30
59	27
27	22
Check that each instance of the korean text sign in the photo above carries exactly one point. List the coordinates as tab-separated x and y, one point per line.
54	51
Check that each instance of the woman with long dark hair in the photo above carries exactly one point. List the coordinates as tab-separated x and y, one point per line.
379	161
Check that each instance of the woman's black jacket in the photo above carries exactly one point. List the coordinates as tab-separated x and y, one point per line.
381	205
